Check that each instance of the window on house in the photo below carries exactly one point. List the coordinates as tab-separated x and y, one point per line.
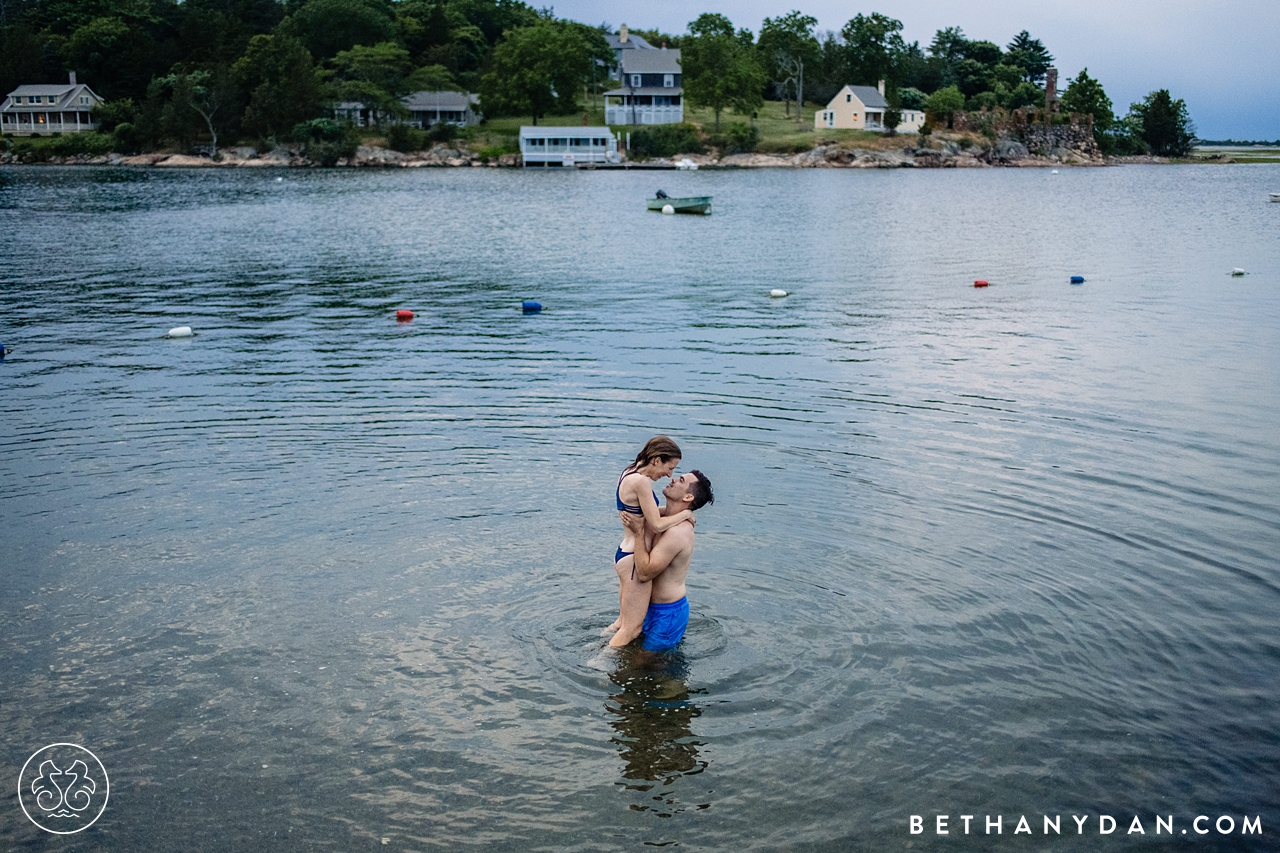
635	80
669	81
848	99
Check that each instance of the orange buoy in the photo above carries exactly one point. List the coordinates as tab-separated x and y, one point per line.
404	314
982	282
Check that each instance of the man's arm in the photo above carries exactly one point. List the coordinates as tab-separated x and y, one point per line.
668	545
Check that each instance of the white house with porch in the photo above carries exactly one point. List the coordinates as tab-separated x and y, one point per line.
49	108
566	147
652	90
862	108
425	109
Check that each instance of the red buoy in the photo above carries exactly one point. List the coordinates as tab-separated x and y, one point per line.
982	282
404	314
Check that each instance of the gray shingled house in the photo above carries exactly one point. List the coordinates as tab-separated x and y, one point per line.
652	89
49	108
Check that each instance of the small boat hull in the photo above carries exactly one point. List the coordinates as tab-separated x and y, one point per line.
694	204
1275	196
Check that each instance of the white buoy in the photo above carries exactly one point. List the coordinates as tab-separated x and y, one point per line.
777	293
1237	271
668	209
180	332
1053	172
278	180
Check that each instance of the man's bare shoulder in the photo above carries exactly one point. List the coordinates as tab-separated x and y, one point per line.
682	532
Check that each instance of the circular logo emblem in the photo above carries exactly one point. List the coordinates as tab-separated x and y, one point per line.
63	788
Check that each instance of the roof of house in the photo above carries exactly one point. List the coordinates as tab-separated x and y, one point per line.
440	100
633	42
61	90
648	90
651	61
424	101
870	96
550	131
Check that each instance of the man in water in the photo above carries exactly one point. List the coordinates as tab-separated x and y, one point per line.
665	561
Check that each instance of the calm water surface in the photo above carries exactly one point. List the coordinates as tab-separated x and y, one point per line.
318	580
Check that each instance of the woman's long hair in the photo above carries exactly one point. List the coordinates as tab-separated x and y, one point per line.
659	447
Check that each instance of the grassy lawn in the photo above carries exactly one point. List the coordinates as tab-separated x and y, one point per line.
778	133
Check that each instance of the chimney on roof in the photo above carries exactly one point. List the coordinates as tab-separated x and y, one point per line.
622	34
73	78
880	87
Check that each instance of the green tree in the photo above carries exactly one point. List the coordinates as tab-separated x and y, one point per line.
946	51
540	69
328	27
720	67
942	106
1163	124
431	78
874	46
892	117
1025	94
119	56
985	53
198	96
495	18
911	99
786	48
374	76
1085	95
436	33
284	89
1029	55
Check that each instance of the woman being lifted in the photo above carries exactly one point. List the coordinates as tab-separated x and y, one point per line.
635	495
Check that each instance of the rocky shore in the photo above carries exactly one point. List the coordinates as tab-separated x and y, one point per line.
940	154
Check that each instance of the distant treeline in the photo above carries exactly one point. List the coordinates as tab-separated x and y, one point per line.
1262	143
199	71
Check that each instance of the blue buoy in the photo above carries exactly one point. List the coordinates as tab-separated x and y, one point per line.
1077	279
531	307
2	351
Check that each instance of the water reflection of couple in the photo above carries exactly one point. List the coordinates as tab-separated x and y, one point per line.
653	559
652	717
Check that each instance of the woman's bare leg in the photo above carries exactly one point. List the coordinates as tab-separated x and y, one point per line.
633	603
617	623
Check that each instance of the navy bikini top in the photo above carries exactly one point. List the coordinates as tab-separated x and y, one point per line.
625	507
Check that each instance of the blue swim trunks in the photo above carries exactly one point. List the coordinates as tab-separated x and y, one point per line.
664	625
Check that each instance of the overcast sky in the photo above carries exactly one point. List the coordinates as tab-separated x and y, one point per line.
1222	58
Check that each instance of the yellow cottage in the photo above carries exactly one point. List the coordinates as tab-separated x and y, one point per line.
862	108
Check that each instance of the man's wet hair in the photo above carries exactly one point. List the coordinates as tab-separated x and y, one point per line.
701	490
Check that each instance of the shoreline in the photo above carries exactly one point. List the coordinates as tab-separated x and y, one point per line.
832	156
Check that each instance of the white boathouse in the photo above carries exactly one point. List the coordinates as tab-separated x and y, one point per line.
559	147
